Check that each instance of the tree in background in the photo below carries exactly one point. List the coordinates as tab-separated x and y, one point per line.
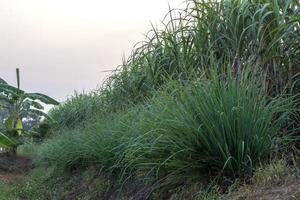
3	116
20	111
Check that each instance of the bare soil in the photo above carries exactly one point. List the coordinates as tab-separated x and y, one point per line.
13	167
288	189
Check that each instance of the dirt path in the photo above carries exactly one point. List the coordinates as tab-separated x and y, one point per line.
13	168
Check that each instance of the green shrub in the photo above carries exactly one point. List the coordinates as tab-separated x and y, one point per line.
77	110
43	130
28	149
260	35
206	127
96	143
191	126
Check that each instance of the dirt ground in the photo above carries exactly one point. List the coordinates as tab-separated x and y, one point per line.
13	167
288	189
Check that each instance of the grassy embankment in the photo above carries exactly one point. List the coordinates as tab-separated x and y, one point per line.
197	108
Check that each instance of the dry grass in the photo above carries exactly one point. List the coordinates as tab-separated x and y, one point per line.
272	182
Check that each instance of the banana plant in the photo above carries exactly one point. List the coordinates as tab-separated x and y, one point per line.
16	102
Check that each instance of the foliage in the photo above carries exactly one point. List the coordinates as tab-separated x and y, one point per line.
27	149
176	111
43	130
82	146
77	110
19	104
260	35
216	126
3	116
209	126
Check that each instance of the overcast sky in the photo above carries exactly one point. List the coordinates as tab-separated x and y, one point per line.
64	45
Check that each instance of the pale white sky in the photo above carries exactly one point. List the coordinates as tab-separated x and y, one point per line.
63	45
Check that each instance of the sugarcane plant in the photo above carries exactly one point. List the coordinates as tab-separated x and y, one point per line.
16	101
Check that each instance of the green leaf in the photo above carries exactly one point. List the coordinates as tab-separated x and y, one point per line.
2	81
8	89
39	113
37	105
5	99
43	98
9	123
6	141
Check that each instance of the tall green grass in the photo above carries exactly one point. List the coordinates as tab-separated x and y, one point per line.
83	146
261	35
210	126
175	110
77	110
213	126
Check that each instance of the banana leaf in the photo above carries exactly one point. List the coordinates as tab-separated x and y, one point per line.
8	89
36	105
7	142
43	98
2	81
9	123
5	99
39	113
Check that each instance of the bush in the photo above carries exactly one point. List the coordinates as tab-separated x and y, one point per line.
77	110
262	36
207	127
191	127
96	143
